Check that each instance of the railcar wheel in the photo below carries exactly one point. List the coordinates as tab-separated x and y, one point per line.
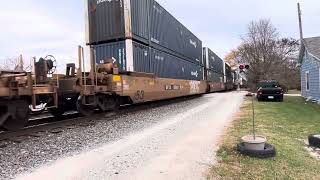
85	110
108	103
3	118
3	112
18	116
57	112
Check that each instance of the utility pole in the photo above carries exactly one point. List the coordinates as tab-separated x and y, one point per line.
300	22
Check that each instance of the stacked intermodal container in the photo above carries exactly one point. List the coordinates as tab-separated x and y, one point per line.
229	74
214	66
141	36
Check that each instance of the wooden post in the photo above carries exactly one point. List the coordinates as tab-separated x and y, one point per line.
253	120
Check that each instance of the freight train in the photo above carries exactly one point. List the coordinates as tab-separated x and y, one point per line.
138	53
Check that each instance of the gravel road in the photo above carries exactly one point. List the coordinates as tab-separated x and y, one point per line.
173	141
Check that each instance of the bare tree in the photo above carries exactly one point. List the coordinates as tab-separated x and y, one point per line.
269	56
7	64
17	64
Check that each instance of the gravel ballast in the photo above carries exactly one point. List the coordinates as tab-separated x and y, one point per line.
33	152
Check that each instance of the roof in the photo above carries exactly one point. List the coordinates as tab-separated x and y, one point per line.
312	45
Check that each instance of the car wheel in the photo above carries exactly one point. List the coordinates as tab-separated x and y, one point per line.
269	151
314	140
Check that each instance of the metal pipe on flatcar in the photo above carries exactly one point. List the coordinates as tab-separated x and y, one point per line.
80	65
84	70
29	82
34	70
92	64
95	70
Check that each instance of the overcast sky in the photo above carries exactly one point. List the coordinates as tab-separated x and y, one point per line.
38	28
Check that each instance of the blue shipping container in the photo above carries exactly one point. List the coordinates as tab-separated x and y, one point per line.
135	57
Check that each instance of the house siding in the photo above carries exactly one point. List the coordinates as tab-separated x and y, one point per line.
311	65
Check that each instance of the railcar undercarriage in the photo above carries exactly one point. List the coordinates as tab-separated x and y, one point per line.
19	90
103	88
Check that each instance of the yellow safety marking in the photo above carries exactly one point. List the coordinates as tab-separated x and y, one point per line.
116	78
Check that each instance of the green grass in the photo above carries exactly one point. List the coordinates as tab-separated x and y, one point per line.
286	125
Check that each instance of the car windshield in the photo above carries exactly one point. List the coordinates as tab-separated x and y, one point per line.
267	85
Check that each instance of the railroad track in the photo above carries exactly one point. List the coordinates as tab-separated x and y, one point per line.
36	130
45	123
38	125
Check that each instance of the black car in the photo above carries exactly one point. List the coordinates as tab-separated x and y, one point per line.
269	90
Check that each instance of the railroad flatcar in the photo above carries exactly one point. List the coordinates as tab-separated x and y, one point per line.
20	90
138	53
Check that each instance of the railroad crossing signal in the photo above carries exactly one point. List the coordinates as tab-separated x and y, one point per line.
244	67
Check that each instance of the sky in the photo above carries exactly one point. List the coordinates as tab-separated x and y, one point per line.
38	28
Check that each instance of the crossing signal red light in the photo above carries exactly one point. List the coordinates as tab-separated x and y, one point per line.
242	67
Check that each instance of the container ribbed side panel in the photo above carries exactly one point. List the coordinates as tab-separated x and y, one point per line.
212	61
168	32
167	66
116	50
141	58
140	13
144	21
106	21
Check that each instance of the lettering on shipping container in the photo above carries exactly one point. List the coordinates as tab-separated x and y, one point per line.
102	1
194	87
194	43
109	1
194	73
103	61
120	56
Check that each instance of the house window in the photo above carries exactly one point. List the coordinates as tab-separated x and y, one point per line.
307	81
